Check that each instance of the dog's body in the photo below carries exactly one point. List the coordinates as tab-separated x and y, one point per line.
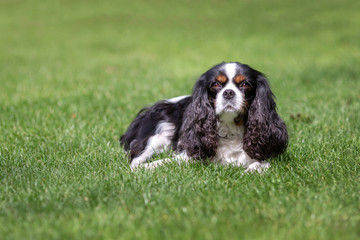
230	118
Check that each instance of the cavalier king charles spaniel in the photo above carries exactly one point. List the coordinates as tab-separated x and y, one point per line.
229	119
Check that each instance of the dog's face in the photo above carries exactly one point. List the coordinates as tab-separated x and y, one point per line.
231	88
233	93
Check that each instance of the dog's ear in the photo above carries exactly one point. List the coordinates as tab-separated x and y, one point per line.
198	134
265	133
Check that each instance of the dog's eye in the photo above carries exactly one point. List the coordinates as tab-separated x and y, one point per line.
216	85
244	84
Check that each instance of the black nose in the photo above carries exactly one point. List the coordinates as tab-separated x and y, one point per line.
229	94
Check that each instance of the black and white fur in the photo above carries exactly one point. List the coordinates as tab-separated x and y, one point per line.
230	118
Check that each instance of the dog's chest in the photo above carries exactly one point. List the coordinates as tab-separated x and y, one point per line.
230	144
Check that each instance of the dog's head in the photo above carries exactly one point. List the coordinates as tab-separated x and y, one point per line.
241	92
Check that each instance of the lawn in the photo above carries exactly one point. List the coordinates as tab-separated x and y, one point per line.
73	74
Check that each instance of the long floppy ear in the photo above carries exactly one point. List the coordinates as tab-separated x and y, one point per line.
265	133
198	134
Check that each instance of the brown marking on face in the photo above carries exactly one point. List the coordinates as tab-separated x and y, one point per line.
245	106
212	101
221	78
240	120
239	78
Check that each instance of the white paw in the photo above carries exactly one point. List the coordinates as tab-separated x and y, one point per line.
151	165
133	167
144	166
257	167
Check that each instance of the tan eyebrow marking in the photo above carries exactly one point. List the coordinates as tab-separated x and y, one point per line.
221	78
239	78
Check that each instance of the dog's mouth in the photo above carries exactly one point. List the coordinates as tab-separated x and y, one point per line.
231	107
229	110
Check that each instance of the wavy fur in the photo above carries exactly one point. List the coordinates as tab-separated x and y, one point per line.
265	133
231	98
198	136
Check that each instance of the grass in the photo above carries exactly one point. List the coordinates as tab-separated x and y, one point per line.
74	73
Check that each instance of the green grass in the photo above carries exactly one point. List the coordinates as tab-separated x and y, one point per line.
73	74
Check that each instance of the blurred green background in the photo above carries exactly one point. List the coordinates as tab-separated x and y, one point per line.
73	74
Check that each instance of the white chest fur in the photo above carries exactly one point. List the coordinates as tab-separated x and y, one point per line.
230	144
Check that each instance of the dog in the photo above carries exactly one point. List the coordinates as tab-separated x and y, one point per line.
230	118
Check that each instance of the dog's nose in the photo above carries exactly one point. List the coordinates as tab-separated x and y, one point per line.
229	94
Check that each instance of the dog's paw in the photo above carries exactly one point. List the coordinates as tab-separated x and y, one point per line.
150	166
259	167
